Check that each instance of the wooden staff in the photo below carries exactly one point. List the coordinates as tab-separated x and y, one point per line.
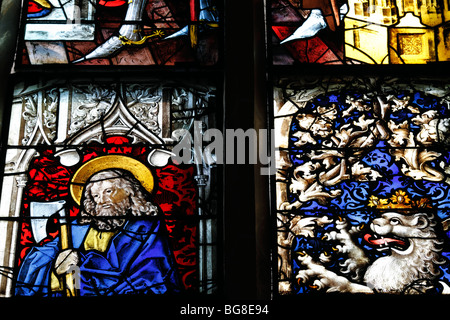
71	291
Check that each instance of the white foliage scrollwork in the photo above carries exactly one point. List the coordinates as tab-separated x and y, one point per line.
144	104
51	102
30	117
94	102
186	106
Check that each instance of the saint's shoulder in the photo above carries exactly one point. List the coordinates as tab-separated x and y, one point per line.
143	225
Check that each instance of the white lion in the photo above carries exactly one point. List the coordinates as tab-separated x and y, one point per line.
412	267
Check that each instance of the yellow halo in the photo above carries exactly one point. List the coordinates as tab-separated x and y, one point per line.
43	3
137	168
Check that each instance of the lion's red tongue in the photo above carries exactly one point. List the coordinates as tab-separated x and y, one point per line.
368	237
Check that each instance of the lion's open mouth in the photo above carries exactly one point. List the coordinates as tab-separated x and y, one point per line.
384	243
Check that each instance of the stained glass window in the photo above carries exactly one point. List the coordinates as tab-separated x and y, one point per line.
95	200
359	31
360	195
362	186
118	32
93	203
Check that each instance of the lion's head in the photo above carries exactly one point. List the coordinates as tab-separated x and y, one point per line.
414	250
400	232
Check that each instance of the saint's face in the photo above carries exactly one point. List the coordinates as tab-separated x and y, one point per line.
106	194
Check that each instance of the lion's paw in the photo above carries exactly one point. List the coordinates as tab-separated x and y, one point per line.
302	277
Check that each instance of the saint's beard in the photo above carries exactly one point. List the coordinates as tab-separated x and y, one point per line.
102	218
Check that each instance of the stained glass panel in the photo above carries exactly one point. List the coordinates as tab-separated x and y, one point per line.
359	31
117	32
362	185
92	202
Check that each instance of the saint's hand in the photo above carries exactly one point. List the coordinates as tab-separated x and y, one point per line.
65	260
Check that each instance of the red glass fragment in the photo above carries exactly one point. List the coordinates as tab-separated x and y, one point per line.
112	3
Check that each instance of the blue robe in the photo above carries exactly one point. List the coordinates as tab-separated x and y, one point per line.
138	260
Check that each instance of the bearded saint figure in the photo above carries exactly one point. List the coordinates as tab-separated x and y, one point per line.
116	250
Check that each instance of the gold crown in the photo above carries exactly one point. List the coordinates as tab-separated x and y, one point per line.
399	200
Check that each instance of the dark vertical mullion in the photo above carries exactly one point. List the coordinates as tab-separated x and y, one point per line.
239	209
261	114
